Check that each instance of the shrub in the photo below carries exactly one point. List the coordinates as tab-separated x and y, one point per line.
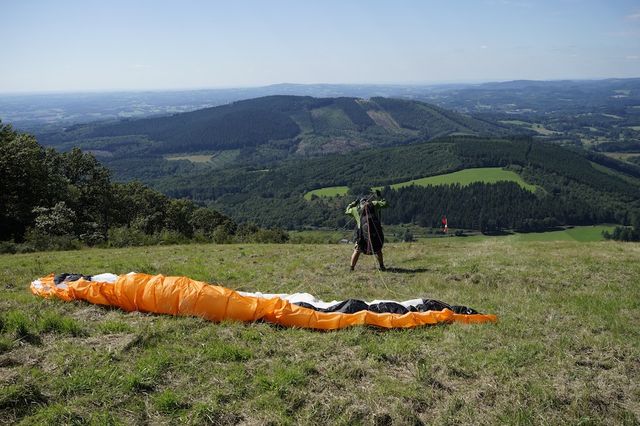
221	235
8	247
278	236
127	237
36	240
170	237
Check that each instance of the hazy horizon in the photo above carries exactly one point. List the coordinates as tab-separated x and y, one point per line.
249	87
88	46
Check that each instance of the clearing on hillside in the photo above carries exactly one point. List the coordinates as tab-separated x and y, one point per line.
217	160
194	158
330	191
462	177
468	176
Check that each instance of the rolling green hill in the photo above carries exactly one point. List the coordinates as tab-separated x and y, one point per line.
276	127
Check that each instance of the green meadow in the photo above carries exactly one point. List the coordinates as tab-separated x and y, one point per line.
566	349
578	233
468	176
330	191
462	177
194	158
217	160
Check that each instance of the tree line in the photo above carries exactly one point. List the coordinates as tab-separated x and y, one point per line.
52	200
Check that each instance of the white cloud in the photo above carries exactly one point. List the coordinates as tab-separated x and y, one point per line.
624	34
484	46
632	57
633	17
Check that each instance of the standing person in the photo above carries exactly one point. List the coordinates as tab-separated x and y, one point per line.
368	235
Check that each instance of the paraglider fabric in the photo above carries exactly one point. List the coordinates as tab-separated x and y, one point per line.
184	296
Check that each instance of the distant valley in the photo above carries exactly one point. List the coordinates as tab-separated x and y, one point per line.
255	159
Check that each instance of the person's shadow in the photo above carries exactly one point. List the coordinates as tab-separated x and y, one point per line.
406	270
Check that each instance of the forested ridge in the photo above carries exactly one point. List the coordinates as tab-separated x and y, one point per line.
274	127
576	187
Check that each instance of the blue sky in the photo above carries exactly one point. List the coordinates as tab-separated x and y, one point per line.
160	44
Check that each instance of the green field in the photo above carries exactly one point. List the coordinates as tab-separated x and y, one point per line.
468	176
395	233
217	160
462	177
565	351
195	158
533	126
330	191
516	122
624	156
578	233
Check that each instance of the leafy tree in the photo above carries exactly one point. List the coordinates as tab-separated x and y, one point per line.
24	174
207	220
90	191
179	215
55	200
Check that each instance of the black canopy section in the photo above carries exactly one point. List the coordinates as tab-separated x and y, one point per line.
60	278
351	306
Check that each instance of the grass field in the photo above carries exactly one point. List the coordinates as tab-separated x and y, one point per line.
217	160
566	349
624	156
537	127
330	191
468	176
395	233
204	158
462	177
578	233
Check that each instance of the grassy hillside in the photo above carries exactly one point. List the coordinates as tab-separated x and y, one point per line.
566	348
462	177
468	176
327	192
